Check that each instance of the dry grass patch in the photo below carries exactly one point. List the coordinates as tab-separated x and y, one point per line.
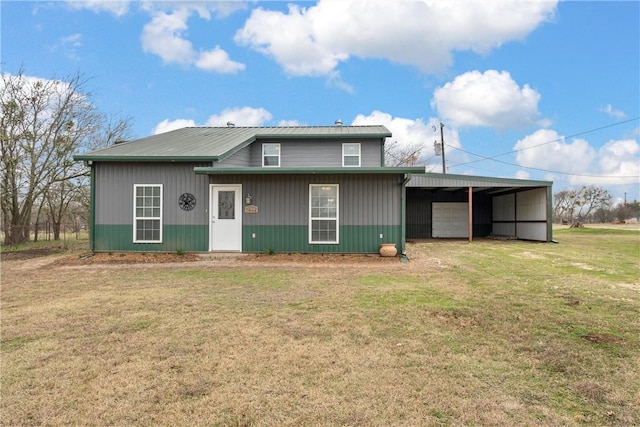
493	333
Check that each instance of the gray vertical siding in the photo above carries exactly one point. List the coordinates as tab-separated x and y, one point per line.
284	199
114	191
317	153
240	159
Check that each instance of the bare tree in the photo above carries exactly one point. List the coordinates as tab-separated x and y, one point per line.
408	155
42	124
72	187
563	205
591	198
577	205
625	211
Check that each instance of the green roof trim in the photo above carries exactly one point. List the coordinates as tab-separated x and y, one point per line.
218	143
425	179
306	171
173	159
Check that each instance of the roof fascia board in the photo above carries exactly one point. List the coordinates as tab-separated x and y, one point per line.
308	171
517	181
323	136
155	159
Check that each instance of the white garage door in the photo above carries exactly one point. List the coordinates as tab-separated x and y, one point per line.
450	220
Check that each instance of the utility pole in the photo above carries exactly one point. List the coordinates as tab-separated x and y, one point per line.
444	170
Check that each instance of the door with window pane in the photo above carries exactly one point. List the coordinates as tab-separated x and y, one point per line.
225	230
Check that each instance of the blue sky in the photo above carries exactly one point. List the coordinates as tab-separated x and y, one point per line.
550	88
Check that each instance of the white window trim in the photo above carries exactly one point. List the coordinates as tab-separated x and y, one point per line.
352	155
337	218
271	155
135	218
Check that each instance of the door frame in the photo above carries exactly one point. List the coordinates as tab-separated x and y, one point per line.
213	211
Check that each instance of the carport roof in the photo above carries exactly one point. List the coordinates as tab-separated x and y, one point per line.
439	180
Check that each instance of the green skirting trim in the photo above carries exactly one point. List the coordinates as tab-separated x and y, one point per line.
283	238
274	238
187	238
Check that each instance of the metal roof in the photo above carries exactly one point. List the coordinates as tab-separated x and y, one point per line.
479	183
307	171
217	143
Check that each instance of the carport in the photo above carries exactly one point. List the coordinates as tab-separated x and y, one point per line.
462	206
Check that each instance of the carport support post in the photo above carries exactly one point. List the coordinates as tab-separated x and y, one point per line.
470	214
444	168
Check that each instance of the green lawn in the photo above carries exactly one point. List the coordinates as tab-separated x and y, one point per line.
488	333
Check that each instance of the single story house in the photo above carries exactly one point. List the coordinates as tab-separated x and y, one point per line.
307	189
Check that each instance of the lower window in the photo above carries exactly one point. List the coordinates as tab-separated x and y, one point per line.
147	213
323	213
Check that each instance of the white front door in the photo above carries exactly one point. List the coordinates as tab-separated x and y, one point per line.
225	215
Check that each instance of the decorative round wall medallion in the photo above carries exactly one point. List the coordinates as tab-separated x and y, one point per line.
187	201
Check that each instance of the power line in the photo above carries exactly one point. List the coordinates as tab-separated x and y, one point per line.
548	170
482	158
493	158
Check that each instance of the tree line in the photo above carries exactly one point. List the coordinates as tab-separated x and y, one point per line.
591	204
43	123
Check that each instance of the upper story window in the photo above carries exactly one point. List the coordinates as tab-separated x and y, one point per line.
147	213
271	155
351	154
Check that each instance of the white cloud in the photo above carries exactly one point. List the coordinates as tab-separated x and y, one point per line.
491	99
414	132
115	7
218	60
69	46
617	162
545	149
621	158
168	125
122	7
289	123
289	39
241	116
204	9
58	91
314	40
73	40
164	36
612	112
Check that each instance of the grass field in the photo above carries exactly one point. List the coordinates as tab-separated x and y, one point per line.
488	333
